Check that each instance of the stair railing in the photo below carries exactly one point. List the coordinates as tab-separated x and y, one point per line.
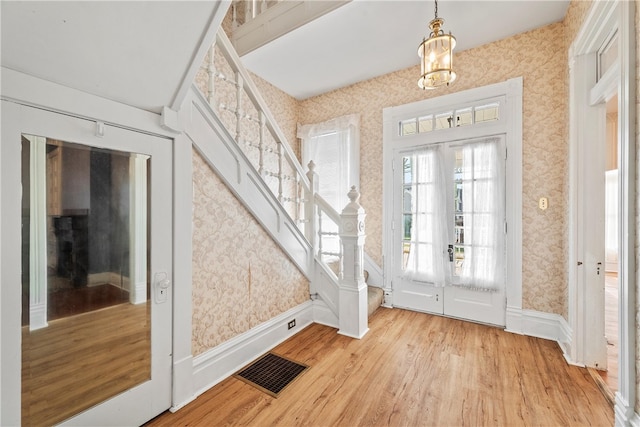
244	11
337	238
232	94
324	227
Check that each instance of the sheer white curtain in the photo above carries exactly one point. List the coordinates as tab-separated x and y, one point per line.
334	147
424	202
483	201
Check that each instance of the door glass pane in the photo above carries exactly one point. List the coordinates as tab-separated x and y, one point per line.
459	212
85	291
420	222
425	124
487	113
478	202
408	127
444	121
464	117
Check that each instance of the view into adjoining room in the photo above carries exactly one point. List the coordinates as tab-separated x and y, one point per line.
610	376
86	325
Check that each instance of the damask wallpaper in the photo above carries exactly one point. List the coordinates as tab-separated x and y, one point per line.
637	23
241	278
538	56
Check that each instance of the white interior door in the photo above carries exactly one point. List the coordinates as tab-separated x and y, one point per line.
95	306
450	205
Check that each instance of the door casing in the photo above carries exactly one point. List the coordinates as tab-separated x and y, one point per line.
602	20
13	115
455	301
510	92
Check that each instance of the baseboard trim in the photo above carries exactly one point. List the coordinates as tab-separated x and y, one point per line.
323	315
635	420
220	362
539	324
182	393
624	413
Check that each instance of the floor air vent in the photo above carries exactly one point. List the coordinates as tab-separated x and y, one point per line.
271	373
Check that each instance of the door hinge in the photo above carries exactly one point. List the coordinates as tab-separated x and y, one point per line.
505	227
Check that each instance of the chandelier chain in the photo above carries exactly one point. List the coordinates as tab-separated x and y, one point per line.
436	9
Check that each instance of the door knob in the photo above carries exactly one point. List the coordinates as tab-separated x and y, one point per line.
162	284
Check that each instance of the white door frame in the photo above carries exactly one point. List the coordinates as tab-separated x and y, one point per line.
30	91
584	128
511	127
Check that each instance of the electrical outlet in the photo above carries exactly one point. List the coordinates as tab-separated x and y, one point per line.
291	324
543	203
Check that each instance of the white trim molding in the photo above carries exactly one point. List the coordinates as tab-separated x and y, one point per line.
603	20
549	326
374	270
509	95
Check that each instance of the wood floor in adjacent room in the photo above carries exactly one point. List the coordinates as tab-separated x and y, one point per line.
411	369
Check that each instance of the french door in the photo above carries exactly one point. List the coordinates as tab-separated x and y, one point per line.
449	229
94	283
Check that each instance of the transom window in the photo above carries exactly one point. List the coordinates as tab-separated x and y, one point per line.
466	116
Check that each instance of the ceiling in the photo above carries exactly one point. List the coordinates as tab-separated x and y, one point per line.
139	52
136	53
368	38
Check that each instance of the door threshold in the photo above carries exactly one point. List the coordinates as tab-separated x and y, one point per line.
604	388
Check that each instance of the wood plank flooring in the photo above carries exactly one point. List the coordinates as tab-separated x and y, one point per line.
411	369
610	376
79	361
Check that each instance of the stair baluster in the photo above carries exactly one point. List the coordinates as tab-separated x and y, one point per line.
337	240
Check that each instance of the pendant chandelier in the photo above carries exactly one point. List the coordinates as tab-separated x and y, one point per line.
436	56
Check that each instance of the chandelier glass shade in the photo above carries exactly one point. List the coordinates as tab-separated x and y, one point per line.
436	56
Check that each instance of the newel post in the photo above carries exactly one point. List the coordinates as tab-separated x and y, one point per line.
309	205
353	289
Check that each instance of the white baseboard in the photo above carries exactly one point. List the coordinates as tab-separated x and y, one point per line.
109	278
182	393
224	360
624	414
635	420
37	316
323	315
539	324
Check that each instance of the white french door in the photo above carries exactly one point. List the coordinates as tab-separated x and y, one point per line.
95	277
449	203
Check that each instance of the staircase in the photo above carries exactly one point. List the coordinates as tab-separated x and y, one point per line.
375	296
234	131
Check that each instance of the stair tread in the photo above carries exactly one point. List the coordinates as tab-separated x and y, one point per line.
375	296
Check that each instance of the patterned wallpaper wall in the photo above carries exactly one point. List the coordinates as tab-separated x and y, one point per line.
539	57
637	248
543	66
241	278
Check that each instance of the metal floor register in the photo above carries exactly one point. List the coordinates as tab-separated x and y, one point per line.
271	373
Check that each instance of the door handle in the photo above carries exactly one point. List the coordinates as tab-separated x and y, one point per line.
162	283
598	268
450	250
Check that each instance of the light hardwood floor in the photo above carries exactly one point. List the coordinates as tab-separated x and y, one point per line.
411	369
79	361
